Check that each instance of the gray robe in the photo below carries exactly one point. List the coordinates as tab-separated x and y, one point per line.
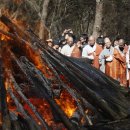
105	52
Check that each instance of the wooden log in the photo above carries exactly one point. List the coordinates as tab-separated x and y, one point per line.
6	123
101	103
17	88
37	81
91	88
32	124
71	92
13	28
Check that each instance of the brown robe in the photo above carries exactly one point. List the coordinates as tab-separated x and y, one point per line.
96	56
76	53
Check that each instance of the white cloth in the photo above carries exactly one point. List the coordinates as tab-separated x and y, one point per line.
110	58
128	57
67	50
128	62
88	50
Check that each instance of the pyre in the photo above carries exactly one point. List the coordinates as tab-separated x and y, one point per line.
42	89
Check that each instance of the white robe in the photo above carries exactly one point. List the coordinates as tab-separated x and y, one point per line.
67	50
88	50
128	62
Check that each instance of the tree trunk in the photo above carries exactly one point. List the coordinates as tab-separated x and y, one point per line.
98	18
42	27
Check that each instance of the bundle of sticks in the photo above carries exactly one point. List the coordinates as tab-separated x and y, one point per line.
42	68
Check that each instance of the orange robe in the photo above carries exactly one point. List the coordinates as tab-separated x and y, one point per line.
117	68
76	53
96	54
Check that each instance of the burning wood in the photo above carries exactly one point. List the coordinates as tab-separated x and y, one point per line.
47	90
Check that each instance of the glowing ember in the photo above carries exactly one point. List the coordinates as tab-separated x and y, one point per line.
67	103
43	108
3	27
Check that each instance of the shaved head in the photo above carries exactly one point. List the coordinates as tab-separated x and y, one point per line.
107	39
91	40
121	42
107	42
70	41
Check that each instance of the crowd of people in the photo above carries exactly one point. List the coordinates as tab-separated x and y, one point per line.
111	57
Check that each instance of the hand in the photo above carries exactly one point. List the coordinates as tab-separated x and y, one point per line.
106	56
65	31
91	54
110	58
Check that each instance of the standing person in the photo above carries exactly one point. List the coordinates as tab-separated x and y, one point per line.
92	51
56	44
77	51
62	42
116	41
84	40
68	48
128	65
106	58
120	57
100	42
115	61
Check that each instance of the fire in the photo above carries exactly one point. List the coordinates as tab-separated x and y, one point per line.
8	98
38	62
43	108
67	103
3	27
10	102
4	37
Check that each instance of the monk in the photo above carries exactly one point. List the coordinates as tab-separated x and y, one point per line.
76	53
120	56
106	58
128	65
92	51
115	61
68	48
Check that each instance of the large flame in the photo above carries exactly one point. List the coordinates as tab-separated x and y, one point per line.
67	103
38	61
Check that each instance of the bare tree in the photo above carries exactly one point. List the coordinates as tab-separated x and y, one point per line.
43	17
42	13
98	18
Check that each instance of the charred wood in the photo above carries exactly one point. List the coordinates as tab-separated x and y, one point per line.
47	96
6	124
31	123
17	88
